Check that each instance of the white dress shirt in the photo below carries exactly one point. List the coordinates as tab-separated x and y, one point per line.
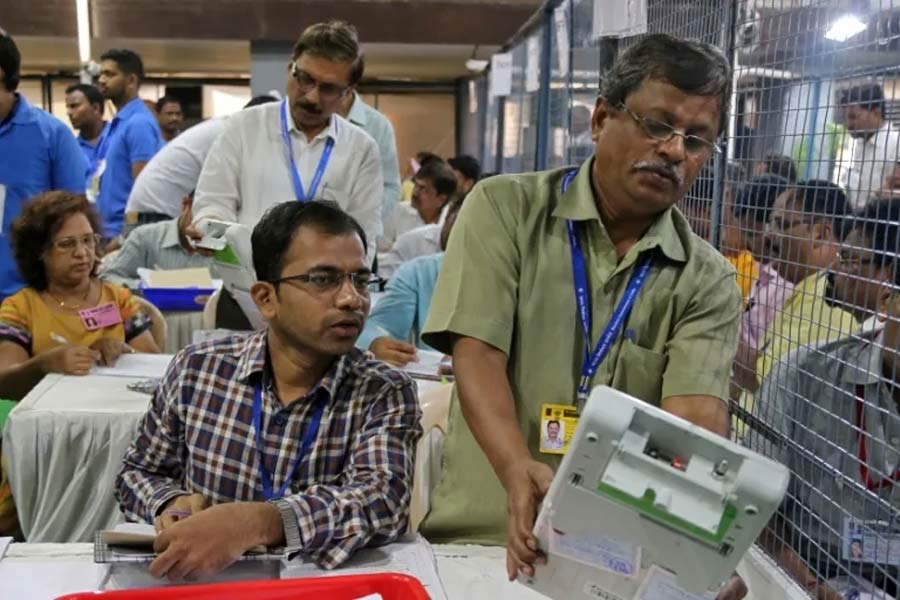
872	160
421	241
402	219
173	172
248	170
379	127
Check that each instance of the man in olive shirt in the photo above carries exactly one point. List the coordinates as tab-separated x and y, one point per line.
505	303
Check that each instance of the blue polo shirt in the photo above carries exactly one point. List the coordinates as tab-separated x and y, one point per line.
133	136
90	150
38	153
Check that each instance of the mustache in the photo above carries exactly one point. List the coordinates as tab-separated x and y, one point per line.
661	168
310	108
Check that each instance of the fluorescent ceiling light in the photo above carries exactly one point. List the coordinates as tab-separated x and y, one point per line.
475	65
845	28
84	31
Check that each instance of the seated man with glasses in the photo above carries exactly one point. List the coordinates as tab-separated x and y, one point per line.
300	148
285	437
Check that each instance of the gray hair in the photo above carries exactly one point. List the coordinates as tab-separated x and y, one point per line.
336	41
693	67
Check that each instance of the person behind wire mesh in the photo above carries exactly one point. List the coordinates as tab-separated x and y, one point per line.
830	413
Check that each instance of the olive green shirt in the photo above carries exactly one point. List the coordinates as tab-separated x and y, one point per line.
507	280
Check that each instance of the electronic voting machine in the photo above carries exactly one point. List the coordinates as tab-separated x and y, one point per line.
645	499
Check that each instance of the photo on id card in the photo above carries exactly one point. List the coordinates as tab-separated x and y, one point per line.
871	541
558	422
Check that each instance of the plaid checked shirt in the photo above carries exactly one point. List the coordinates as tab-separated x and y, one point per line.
351	490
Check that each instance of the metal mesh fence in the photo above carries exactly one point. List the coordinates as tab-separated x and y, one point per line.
804	201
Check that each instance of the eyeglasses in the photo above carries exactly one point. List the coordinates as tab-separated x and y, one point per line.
70	244
328	92
663	132
853	263
323	282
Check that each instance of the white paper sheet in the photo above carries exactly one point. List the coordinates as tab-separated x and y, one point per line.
619	18
411	556
137	365
533	64
4	544
428	363
662	585
500	77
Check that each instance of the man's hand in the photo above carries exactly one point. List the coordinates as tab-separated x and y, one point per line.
69	360
178	509
393	351
526	482
193	235
211	540
110	350
734	589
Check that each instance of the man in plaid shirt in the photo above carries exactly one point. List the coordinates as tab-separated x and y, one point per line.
289	436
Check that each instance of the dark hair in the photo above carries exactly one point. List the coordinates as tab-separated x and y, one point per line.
274	232
167	99
10	62
34	228
441	176
783	166
93	95
129	61
757	196
262	99
880	224
551	422
869	96
467	165
693	67
336	41
824	200
424	156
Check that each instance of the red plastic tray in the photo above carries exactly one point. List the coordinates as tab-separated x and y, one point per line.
391	586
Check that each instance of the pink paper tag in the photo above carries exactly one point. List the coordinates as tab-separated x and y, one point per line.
100	317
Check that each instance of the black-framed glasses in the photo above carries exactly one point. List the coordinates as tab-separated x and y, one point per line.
663	132
71	243
324	282
306	82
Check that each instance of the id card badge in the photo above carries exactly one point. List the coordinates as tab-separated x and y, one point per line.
874	541
558	422
93	191
100	317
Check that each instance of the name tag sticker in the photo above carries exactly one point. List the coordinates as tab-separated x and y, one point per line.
662	585
598	551
558	422
100	317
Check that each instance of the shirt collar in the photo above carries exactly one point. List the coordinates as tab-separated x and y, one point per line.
22	112
253	362
864	361
170	236
358	114
578	204
330	131
131	107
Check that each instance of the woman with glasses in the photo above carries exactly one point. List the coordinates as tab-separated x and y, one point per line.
66	320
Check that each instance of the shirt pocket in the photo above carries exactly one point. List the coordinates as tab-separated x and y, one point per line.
639	372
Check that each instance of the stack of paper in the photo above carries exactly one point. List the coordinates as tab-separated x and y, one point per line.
137	365
427	365
177	278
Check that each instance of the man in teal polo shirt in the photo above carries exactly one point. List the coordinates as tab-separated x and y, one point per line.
38	152
130	141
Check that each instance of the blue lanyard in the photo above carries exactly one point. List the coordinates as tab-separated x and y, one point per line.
593	360
308	438
295	175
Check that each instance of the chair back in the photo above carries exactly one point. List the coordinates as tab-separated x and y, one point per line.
159	328
435	405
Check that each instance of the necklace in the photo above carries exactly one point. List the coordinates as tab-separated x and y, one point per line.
70	306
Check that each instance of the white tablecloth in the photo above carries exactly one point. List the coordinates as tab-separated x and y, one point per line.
180	328
64	445
45	571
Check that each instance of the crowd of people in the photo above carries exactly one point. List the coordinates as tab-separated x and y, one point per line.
770	313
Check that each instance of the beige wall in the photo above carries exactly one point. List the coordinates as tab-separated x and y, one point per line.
421	122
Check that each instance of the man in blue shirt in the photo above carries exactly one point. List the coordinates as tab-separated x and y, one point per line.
403	309
38	152
130	141
84	105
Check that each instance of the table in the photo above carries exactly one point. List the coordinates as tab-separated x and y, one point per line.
64	445
45	571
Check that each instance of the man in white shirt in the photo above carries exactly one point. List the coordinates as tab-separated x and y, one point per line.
173	172
421	241
434	187
299	149
876	145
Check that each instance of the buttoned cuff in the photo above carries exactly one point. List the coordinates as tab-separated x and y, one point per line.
160	498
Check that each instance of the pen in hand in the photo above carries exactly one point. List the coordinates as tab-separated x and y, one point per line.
58	338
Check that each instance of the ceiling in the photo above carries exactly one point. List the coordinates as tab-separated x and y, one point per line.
403	39
231	58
